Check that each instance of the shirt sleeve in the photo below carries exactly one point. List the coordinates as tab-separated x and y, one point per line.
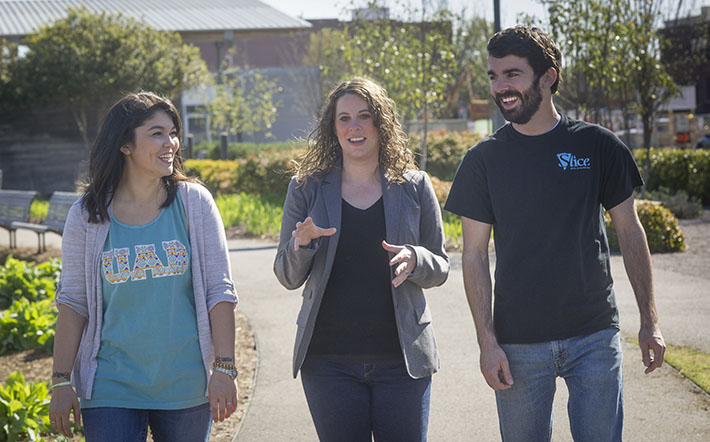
469	194
620	174
71	290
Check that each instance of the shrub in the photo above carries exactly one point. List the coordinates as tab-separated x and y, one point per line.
212	149
267	173
441	189
678	169
38	210
20	279
24	409
661	227
27	325
445	151
680	204
258	215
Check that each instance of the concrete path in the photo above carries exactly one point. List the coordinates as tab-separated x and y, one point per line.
659	407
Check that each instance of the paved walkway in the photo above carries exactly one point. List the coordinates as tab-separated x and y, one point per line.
660	407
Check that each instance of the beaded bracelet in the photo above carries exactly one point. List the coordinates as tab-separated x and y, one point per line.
223	365
61	384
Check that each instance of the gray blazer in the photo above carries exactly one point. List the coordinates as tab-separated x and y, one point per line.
412	217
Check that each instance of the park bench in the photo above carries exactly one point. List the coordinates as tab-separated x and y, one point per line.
59	205
15	207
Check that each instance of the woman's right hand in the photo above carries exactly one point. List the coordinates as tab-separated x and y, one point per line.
63	402
307	231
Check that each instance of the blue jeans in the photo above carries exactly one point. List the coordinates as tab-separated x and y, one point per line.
107	424
591	368
351	402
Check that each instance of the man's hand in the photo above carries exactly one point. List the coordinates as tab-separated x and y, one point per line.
653	348
494	366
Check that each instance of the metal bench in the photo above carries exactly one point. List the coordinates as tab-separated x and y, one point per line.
59	205
15	207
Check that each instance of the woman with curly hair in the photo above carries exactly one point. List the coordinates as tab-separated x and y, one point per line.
362	229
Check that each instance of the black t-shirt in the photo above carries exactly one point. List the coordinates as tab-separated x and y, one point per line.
356	317
544	196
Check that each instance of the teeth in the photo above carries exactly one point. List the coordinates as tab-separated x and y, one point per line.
509	99
356	139
166	157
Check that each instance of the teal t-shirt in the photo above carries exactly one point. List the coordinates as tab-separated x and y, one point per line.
149	356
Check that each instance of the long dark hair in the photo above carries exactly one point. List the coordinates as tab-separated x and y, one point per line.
106	163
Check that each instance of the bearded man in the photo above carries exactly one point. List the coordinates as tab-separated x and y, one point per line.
542	183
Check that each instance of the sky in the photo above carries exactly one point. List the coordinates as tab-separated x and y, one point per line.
509	8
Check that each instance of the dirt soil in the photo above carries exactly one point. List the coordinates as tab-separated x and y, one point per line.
37	366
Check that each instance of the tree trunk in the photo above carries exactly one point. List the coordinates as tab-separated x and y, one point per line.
82	123
647	130
424	149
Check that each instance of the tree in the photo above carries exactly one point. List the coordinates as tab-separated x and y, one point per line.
9	61
612	54
245	102
412	60
472	84
685	48
90	60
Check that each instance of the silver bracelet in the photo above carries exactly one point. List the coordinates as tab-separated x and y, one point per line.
233	373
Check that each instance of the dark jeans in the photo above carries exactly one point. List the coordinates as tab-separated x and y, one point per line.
351	402
106	424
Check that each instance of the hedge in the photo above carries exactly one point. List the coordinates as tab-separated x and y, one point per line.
662	231
266	173
678	169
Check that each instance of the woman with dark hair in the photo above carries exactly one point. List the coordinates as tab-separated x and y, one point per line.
145	332
362	229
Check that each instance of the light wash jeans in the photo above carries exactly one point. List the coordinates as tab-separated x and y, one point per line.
591	368
107	424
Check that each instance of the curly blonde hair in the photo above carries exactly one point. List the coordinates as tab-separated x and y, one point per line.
324	151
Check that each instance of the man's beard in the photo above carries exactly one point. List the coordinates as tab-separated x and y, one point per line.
529	103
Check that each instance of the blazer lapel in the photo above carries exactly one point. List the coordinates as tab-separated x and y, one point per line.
332	197
392	199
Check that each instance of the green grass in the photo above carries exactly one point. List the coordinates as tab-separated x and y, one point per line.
693	364
256	214
452	231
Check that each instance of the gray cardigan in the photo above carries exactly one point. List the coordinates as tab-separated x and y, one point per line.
81	288
412	217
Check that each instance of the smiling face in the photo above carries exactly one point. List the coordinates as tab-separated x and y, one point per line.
355	129
154	147
515	88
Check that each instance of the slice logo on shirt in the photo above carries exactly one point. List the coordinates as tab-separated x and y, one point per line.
567	161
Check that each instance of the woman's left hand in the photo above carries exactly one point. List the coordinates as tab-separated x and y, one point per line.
404	262
222	394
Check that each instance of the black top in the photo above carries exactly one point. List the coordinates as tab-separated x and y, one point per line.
356	317
544	196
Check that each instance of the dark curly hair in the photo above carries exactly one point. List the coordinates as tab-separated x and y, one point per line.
324	151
